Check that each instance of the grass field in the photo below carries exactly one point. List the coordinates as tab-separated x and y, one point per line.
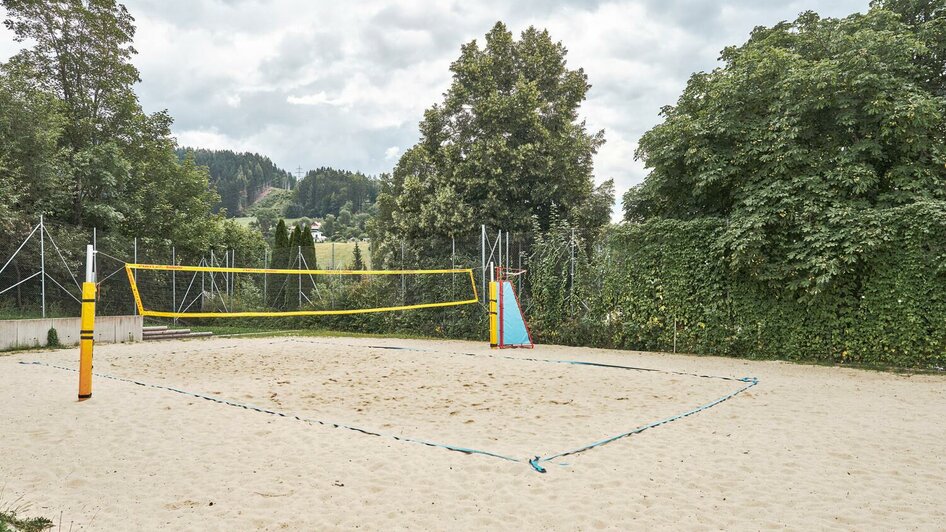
342	256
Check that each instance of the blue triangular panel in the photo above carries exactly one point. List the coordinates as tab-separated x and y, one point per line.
514	326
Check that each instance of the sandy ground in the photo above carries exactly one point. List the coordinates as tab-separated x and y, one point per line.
808	448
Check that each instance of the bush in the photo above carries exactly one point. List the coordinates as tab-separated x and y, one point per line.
52	338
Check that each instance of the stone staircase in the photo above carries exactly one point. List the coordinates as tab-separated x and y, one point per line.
162	332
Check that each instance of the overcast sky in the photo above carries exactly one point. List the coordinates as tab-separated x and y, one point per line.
345	84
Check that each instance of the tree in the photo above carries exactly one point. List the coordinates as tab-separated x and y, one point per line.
81	52
295	245
357	262
308	247
280	246
505	145
265	218
329	226
799	142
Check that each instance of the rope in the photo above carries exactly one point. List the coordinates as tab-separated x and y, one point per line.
535	462
310	421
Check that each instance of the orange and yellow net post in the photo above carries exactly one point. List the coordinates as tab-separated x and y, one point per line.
87	330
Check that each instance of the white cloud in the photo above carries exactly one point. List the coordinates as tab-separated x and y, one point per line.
391	153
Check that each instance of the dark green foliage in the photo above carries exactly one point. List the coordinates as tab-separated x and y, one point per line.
280	258
74	142
649	276
326	191
9	522
239	178
805	127
358	263
504	146
52	338
308	247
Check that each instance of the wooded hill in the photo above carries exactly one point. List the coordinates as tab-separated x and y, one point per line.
239	178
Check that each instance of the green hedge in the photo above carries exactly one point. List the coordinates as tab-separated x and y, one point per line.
888	307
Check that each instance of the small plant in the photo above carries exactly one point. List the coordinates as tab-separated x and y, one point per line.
9	522
52	338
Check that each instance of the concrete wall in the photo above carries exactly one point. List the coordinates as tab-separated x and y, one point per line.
32	333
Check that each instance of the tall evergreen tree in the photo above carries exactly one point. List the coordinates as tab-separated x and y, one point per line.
358	263
295	242
280	246
308	247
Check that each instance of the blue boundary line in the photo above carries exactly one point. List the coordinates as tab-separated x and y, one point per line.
534	462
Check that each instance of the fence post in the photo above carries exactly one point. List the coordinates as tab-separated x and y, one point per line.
571	276
674	333
174	282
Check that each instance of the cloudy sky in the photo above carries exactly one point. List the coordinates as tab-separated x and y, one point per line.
345	84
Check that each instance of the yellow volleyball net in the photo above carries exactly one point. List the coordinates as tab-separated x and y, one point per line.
171	291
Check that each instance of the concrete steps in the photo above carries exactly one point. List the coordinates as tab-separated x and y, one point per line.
162	332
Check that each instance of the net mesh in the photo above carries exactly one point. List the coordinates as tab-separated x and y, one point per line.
201	291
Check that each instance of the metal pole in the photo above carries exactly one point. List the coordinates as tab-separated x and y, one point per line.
453	262
42	265
403	282
211	274
483	255
507	250
299	266
233	274
135	307
95	256
333	255
174	281
571	287
674	334
499	248
202	287
265	277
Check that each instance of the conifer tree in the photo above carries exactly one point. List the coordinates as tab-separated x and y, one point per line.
280	246
358	262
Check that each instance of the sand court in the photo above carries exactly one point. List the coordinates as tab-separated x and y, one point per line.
853	449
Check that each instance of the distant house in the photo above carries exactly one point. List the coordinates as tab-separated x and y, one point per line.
317	233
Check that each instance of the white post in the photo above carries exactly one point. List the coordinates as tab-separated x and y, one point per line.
483	255
265	276
42	265
95	256
89	261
